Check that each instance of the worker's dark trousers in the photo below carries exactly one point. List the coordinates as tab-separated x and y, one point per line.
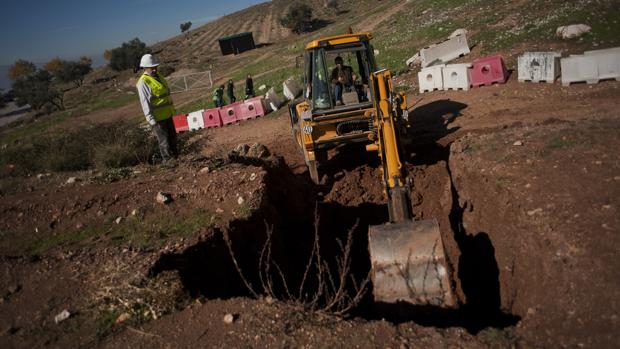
166	138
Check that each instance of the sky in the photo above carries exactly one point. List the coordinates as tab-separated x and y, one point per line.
40	30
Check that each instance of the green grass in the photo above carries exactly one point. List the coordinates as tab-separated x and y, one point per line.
206	103
131	231
29	127
561	143
106	322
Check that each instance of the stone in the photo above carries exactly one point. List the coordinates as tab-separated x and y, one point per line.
205	169
118	220
229	318
517	143
71	180
122	318
572	31
163	198
534	211
219	210
240	200
252	177
14	289
62	316
134	212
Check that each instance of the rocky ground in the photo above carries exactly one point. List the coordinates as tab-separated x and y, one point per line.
522	178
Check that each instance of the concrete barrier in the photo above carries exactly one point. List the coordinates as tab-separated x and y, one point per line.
212	118
444	52
180	123
229	113
431	79
291	89
273	100
252	108
195	120
488	71
456	77
591	67
605	50
539	66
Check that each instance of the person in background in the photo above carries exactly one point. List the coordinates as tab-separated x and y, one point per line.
218	96
157	106
249	87
230	91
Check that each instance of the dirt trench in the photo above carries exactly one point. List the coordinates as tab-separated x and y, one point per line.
352	200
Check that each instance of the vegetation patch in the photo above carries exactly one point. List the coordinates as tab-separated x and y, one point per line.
98	146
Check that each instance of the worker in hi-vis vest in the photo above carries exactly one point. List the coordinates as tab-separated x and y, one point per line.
157	106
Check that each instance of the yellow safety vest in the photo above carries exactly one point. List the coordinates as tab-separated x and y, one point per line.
160	102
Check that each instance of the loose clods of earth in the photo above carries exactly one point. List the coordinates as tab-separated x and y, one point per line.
163	198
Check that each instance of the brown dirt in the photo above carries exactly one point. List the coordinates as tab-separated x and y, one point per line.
531	232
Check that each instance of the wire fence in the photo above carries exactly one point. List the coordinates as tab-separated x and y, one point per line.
189	82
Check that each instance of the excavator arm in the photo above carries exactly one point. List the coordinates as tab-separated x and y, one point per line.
388	111
408	259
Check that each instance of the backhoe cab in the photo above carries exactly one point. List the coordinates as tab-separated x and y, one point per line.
337	99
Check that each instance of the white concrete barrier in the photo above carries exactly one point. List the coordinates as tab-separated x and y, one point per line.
273	100
195	120
291	89
431	79
591	67
605	50
456	77
444	52
539	66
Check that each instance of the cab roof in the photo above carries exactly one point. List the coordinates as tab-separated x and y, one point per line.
339	40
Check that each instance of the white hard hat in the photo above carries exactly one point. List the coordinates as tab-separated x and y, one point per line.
149	61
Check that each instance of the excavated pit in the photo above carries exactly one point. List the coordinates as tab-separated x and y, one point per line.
288	211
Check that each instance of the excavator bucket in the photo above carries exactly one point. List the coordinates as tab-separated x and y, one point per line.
409	264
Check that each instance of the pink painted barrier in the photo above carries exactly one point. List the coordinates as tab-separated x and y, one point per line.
212	118
488	71
252	108
230	113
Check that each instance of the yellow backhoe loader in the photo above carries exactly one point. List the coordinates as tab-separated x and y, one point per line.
356	102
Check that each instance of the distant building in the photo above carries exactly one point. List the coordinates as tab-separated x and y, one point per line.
235	44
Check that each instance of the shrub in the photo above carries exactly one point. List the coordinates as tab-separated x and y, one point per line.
128	55
185	26
101	146
36	89
68	71
21	68
298	18
165	69
131	147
